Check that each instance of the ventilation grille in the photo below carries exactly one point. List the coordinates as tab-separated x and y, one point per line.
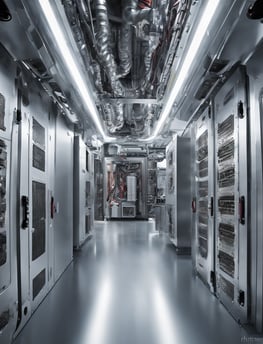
3	205
203	168
227	287
39	219
203	188
4	320
225	129
226	263
38	158
226	177
38	134
227	233
38	283
3	248
226	205
38	146
226	151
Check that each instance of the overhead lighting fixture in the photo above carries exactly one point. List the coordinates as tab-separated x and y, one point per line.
71	65
186	66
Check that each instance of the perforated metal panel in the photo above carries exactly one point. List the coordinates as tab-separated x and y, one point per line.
4	238
38	158
38	283
38	219
38	133
231	193
204	186
4	319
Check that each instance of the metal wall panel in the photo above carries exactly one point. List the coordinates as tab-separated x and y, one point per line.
255	73
178	191
63	195
35	232
38	199
98	189
90	192
204	200
83	191
231	193
8	206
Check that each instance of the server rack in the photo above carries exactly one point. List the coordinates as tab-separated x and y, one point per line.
8	205
231	195
204	200
45	189
178	192
83	192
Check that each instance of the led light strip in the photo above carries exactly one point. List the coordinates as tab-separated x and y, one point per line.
72	67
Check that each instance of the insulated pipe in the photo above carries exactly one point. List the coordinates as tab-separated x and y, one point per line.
114	116
125	50
102	38
133	15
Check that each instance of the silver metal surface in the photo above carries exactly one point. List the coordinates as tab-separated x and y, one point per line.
205	198
128	285
63	195
9	168
234	272
255	73
83	203
178	190
103	38
29	266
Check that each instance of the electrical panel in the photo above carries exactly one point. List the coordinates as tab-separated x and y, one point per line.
204	199
231	195
125	195
178	192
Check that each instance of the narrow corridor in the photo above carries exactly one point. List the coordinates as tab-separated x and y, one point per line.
128	286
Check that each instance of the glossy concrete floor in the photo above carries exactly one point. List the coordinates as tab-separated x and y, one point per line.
128	286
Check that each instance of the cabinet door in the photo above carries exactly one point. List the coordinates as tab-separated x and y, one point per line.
204	230
231	194
38	205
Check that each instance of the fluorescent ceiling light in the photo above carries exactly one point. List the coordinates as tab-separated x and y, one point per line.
72	67
187	62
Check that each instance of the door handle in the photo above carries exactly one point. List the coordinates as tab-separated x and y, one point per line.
242	210
25	206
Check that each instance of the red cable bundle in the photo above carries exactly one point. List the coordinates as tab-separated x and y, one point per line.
145	3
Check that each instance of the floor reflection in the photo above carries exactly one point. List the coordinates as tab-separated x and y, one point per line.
128	286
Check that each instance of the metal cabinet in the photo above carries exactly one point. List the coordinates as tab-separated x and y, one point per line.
204	200
178	192
8	204
83	191
231	206
35	227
